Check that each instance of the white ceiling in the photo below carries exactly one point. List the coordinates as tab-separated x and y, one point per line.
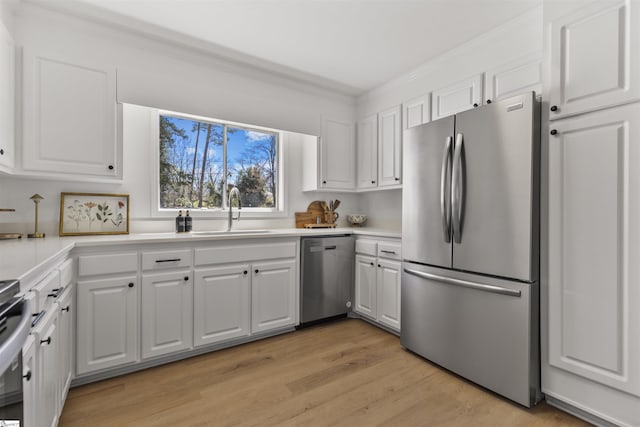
358	44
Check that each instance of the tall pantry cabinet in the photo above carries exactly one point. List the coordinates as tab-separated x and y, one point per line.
591	213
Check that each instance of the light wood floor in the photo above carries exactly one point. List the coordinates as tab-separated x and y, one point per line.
345	373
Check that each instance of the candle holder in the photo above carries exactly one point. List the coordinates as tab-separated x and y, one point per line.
36	199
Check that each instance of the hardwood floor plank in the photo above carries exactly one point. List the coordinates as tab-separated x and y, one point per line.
342	373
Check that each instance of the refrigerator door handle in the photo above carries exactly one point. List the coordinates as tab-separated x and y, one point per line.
457	189
445	191
464	283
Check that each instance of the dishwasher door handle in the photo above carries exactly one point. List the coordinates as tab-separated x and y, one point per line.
322	248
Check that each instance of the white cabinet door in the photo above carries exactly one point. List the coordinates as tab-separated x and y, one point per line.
69	116
46	335
388	281
7	99
29	381
367	167
167	320
390	147
365	286
594	57
458	97
594	245
107	323
416	111
337	155
273	295
517	77
222	304
65	343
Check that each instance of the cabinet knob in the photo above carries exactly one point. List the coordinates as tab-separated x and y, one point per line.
47	341
371	263
553	132
324	182
65	309
379	265
257	271
554	108
397	179
27	376
373	182
110	167
245	272
1	151
131	285
488	101
186	278
475	104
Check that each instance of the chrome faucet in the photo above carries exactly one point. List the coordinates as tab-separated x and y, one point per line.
233	191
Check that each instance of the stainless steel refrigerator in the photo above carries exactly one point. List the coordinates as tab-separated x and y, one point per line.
470	236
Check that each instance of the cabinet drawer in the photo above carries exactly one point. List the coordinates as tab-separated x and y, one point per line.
89	265
166	259
46	291
367	247
390	250
243	253
66	273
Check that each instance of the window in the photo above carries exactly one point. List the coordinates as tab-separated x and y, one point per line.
201	160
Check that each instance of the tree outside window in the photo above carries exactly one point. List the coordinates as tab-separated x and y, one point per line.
201	160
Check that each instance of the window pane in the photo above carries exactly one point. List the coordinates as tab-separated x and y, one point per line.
191	163
251	166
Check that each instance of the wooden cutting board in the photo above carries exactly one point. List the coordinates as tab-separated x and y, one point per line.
309	217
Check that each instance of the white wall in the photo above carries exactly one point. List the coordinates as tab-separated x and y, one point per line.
517	38
155	73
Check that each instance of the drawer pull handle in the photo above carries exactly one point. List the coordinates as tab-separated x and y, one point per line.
27	376
65	309
169	260
37	318
54	293
47	341
388	252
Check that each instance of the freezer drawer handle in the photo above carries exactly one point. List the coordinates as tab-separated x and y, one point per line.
464	283
445	205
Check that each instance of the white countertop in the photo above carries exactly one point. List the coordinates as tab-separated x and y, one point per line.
21	259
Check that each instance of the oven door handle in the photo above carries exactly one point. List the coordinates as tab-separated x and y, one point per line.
12	347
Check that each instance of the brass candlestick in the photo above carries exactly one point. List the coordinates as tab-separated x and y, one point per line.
36	199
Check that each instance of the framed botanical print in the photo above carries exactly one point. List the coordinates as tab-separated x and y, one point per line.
93	214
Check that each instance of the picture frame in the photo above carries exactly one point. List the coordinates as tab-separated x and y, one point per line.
88	214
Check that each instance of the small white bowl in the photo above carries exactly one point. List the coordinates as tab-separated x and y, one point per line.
356	220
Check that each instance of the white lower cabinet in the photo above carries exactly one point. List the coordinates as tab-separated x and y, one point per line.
46	336
107	334
221	304
29	381
273	295
167	323
66	312
591	330
377	281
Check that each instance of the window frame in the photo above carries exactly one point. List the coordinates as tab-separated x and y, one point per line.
247	212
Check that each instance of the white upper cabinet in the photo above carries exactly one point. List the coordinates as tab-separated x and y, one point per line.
460	96
367	167
594	57
7	99
337	155
519	76
416	111
69	117
594	245
390	147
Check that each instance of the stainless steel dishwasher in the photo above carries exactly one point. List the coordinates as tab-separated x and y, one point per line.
326	277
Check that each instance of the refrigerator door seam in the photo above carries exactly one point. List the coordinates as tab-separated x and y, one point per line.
466	284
